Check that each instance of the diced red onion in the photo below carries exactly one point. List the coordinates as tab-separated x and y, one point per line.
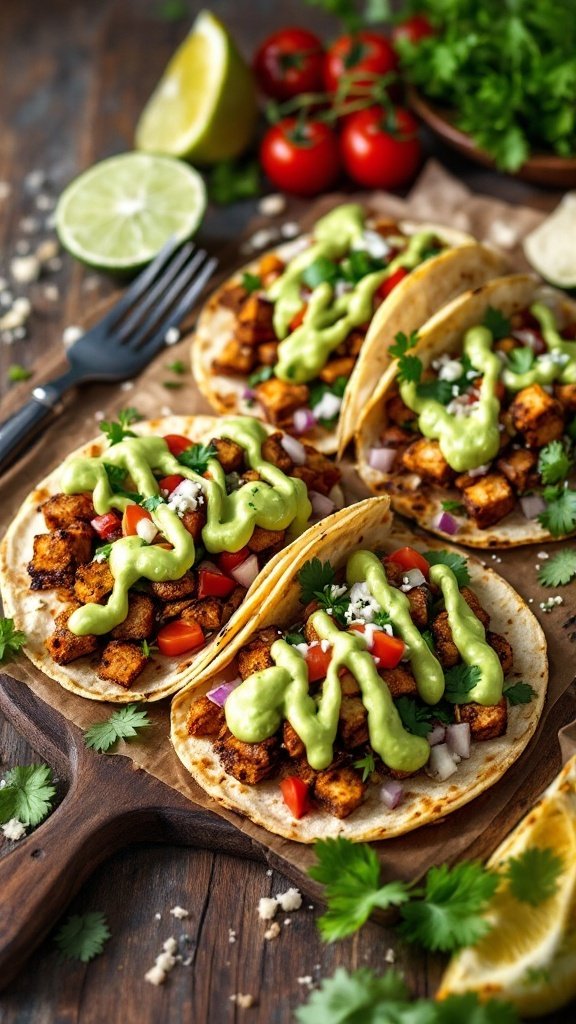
437	735
532	505
392	793
382	459
458	739
321	504
441	764
532	339
412	578
246	572
303	421
147	530
248	394
294	449
446	523
219	695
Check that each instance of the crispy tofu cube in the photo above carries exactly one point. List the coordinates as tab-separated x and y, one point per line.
233	296
519	467
354	342
335	368
63	645
353	723
205	718
207	612
263	539
173	609
425	458
140	622
53	563
248	762
397	412
400	682
292	742
194	520
93	582
267	353
229	454
486	723
489	499
318	472
473	602
175	590
274	452
538	416
446	650
121	663
80	538
339	790
235	357
232	602
63	509
349	685
566	395
280	399
255	655
255	320
503	649
418	598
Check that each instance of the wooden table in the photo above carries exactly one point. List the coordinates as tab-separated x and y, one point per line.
74	76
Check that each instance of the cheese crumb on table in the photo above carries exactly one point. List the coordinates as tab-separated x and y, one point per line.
272	932
179	913
14	829
164	963
290	900
267	907
390	956
243	1000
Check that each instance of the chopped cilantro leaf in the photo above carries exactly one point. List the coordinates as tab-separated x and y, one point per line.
559	516
294	638
448	916
319	271
11	639
498	325
559	570
409	369
402	343
335	605
428	636
27	794
367	764
359	264
457	563
177	367
122	724
554	463
197	456
147	648
82	937
520	360
117	430
251	282
453	506
416	718
172	385
519	693
231	181
314	576
460	680
382	618
102	553
17	373
150	504
533	875
260	375
438	390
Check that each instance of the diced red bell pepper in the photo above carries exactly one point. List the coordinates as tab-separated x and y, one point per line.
108	526
389	283
317	662
212	583
169	483
229	560
298	317
388	649
295	793
133	514
407	558
177	443
178	637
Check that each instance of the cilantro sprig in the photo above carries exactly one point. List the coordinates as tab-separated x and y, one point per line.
409	366
519	693
82	936
419	718
117	430
313	577
460	680
251	282
27	794
122	724
498	324
197	456
559	516
554	463
11	639
367	764
559	570
520	360
457	563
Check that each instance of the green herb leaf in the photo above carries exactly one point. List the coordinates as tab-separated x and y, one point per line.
359	264
409	367
367	764
559	570
117	430
559	516
251	282
231	181
151	504
449	914
27	795
122	724
437	390
519	693
197	457
460	680
416	718
351	874
428	636
520	360
16	373
82	937
453	506
177	367
313	577
402	343
172	385
260	375
319	271
102	553
554	463
467	1008
11	639
457	563
333	603
498	325
294	638
382	618
533	875
147	649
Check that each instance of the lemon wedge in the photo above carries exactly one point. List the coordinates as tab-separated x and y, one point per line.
529	956
204	106
550	247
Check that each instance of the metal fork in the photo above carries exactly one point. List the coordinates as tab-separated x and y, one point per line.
123	342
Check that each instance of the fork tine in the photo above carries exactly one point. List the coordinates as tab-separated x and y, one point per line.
184	306
150	296
141	283
184	278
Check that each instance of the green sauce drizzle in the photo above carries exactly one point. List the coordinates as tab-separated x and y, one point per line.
559	363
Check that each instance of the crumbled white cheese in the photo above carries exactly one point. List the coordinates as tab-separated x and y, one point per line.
290	229
306	979
328	407
450	369
543	555
245	1001
5	190
179	913
267	907
164	963
337	590
157	917
272	205
34	180
172	336
127	385
551	603
324	646
51	292
503	234
47	251
290	900
187	496
363	606
170	946
13	830
272	932
231	935
260	239
17	315
461	406
302	649
156	976
25	269
390	956
71	334
373	243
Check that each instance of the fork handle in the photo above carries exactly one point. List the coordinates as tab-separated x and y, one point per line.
25	424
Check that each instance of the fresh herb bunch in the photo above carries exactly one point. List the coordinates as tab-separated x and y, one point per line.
507	68
355	14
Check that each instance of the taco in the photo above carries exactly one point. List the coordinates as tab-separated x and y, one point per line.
138	558
471	431
281	338
379	689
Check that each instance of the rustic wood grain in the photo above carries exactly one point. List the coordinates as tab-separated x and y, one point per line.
73	77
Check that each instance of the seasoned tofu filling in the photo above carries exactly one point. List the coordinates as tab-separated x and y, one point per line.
494	427
154	543
391	669
300	326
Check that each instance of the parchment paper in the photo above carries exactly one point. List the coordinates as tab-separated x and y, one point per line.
479	826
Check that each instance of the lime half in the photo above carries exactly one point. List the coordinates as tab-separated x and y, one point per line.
204	106
119	214
550	247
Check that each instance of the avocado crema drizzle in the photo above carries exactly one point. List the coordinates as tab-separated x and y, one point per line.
256	708
328	321
470	441
276	502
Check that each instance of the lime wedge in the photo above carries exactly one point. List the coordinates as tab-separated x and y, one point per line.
550	247
119	214
204	106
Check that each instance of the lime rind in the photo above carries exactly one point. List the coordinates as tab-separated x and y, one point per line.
550	247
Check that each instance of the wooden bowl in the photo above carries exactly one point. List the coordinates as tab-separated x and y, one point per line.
542	169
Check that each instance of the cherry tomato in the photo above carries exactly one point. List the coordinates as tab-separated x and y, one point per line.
362	56
380	149
133	514
413	29
317	662
300	157
229	560
388	649
289	62
408	558
177	443
107	526
178	637
169	483
295	793
387	286
212	583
